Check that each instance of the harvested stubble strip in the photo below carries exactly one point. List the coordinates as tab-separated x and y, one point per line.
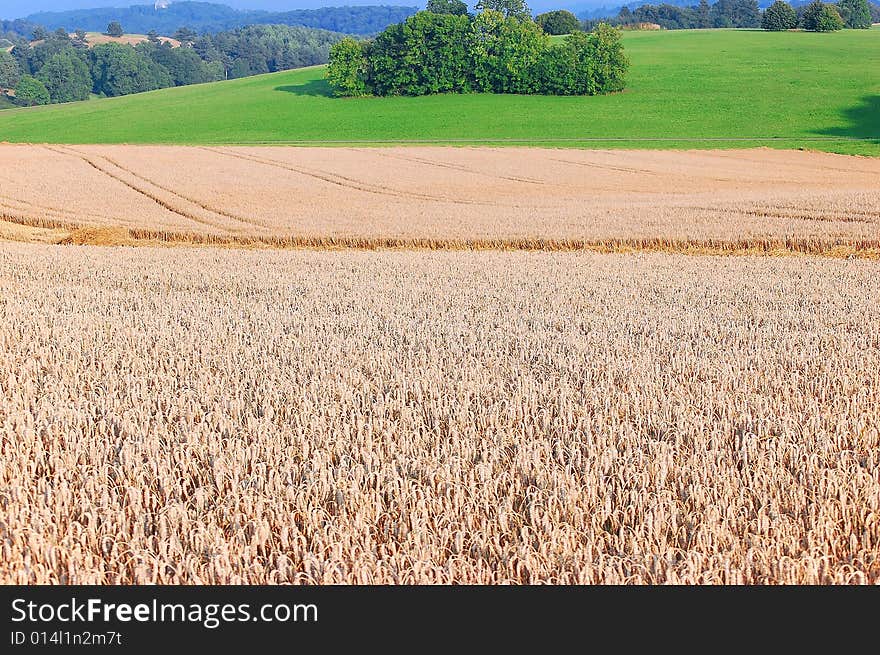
845	248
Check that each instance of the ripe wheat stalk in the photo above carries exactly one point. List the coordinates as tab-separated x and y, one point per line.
231	416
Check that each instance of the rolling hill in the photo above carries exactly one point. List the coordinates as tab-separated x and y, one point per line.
687	89
209	17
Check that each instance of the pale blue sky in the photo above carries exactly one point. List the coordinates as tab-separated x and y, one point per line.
19	8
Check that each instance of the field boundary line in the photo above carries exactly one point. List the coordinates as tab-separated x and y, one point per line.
506	140
834	248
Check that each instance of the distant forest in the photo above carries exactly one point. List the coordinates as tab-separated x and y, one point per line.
17	29
209	18
60	67
702	15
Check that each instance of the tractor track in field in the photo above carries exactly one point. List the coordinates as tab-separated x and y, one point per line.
221	212
456	167
70	152
346	182
795	215
453	199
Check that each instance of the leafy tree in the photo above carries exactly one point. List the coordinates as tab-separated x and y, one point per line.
506	53
23	54
556	70
438	53
15	30
240	68
267	48
185	35
153	37
667	16
427	53
736	13
80	40
704	15
205	48
51	46
347	70
454	7
830	20
120	70
217	70
567	68
115	29
40	33
819	17
509	8
31	91
610	62
558	22
66	77
779	16
183	64
585	64
856	13
10	74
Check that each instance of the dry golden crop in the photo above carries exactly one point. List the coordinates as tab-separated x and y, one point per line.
440	198
204	415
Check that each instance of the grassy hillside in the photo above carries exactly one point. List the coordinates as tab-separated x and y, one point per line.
687	89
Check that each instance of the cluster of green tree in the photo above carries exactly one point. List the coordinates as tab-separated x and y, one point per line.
558	22
746	14
855	14
817	16
495	51
820	17
61	68
779	16
724	13
210	18
10	74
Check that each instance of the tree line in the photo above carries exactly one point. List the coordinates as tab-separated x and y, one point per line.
816	16
60	67
211	18
500	50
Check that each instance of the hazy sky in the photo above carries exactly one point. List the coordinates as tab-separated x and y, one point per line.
20	8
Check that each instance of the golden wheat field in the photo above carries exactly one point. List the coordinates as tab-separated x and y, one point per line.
517	198
238	416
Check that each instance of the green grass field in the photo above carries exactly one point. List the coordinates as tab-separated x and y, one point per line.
687	89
